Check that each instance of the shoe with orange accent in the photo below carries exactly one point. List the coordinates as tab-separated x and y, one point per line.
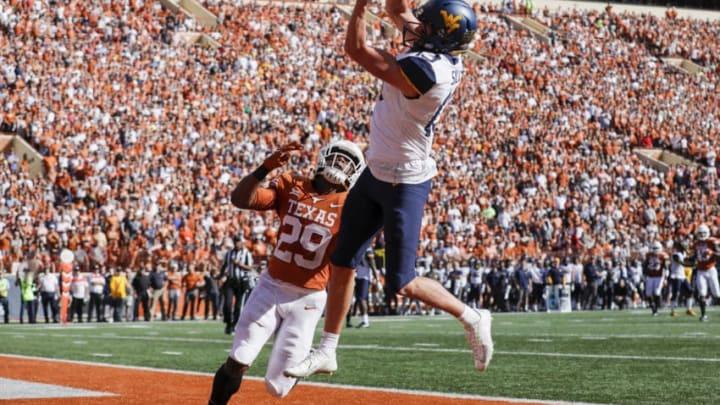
690	312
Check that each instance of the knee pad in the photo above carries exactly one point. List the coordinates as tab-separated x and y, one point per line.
235	369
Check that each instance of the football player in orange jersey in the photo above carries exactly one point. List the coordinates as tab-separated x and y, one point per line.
289	297
706	276
654	268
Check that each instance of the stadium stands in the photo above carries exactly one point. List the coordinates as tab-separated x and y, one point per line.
143	138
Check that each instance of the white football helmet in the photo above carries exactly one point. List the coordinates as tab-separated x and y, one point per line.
702	232
656	248
340	163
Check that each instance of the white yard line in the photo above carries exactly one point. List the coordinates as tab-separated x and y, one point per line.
614	357
690	335
538	354
416	348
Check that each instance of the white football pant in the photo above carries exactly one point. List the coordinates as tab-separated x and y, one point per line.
705	279
289	311
653	286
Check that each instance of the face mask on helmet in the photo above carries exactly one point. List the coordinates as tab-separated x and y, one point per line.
340	163
448	26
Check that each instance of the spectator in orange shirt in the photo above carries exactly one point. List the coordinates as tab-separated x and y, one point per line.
191	282
174	279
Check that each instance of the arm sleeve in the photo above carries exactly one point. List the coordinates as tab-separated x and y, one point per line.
264	199
419	72
267	198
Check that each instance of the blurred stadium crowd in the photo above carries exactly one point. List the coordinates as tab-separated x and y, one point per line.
143	137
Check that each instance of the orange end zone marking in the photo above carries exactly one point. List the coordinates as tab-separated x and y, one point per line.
143	386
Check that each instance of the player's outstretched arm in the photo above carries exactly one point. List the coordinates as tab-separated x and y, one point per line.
377	62
244	195
401	14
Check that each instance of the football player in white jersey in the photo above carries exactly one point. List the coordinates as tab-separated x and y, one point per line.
391	193
678	278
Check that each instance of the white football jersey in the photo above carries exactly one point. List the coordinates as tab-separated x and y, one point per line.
677	269
401	131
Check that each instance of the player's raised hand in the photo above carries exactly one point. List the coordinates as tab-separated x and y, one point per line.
281	156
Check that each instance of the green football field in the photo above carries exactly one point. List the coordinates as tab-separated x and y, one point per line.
614	357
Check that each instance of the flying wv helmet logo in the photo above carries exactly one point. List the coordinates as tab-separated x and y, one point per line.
452	22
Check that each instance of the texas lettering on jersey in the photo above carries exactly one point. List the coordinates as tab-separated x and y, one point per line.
313	213
308	228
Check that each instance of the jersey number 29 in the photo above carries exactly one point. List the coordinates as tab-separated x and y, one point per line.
304	235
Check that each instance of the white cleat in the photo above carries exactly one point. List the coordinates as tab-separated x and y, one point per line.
317	362
480	340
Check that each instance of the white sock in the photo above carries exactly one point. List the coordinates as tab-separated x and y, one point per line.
329	342
469	316
366	319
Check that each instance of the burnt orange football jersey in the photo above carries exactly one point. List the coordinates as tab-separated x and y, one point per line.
704	257
309	223
655	264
